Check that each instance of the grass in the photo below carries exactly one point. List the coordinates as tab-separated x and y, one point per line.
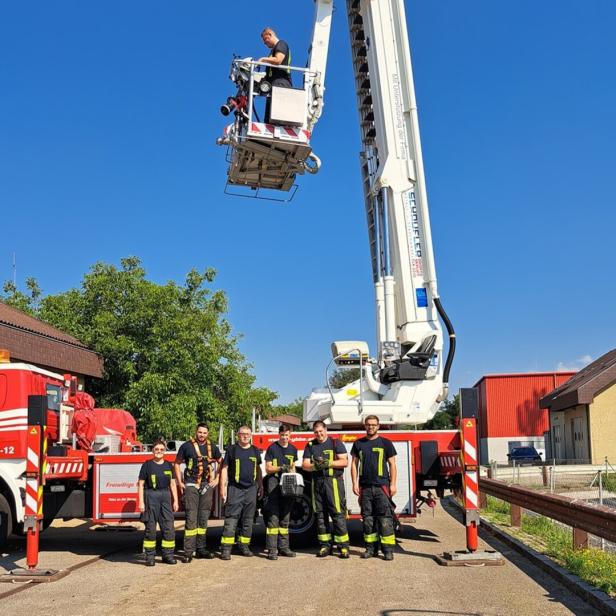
609	482
592	565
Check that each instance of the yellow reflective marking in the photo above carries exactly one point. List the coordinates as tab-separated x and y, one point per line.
336	494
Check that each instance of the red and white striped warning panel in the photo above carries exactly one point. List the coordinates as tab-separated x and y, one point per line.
450	462
32	489
13	420
67	468
471	490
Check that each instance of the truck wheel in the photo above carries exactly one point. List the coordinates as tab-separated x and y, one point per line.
6	520
302	522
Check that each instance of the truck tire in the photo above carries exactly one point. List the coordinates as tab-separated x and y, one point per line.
6	520
302	525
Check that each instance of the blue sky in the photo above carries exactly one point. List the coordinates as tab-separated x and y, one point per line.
108	120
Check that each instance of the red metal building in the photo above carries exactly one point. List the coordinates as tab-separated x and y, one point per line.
509	413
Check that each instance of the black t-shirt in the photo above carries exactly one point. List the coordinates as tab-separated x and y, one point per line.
188	454
156	476
277	72
325	450
373	455
281	456
242	464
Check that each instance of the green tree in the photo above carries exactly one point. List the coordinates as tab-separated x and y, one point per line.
26	302
446	417
343	376
170	355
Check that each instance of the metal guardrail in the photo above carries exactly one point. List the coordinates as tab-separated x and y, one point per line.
594	519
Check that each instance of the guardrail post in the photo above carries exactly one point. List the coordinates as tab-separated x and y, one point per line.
580	539
516	515
544	476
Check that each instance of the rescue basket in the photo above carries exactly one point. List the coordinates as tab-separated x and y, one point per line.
291	484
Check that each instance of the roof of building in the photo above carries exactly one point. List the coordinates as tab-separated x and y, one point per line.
33	341
582	387
509	375
292	420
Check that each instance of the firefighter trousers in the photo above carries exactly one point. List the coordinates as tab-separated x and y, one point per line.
158	510
198	508
277	514
239	515
329	501
378	518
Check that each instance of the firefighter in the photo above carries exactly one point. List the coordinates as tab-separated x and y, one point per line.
326	459
200	478
374	475
280	457
241	484
158	499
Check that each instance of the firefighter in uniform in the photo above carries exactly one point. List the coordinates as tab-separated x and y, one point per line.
241	484
374	476
158	499
280	457
326	459
200	478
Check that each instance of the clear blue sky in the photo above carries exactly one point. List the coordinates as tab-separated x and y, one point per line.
108	120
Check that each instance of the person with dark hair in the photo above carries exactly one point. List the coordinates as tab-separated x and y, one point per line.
326	459
197	483
280	457
242	470
374	476
157	500
280	57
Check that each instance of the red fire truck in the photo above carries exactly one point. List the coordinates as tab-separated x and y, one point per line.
51	466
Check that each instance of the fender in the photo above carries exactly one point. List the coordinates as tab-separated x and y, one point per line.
10	484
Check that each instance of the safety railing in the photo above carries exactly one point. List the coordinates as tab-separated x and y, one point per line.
582	517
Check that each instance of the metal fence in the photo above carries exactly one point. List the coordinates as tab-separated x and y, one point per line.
577	481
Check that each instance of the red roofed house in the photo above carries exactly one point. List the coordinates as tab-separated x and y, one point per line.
509	412
31	341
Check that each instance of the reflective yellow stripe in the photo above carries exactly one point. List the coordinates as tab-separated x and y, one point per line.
271	531
237	471
254	472
314	498
201	531
227	540
336	495
168	544
149	544
381	453
326	537
371	538
153	481
244	539
330	455
283	531
190	533
389	540
341	538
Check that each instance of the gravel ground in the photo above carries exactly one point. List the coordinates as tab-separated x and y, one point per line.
412	584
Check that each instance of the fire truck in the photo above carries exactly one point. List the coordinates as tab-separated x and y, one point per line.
48	469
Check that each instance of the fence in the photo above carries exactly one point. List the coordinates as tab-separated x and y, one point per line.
583	485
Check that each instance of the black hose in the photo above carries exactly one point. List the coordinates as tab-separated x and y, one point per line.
452	339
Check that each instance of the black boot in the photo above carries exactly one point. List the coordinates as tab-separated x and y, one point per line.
324	550
287	552
244	550
272	555
225	553
388	555
369	553
170	560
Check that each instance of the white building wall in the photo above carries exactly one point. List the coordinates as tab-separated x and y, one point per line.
496	448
